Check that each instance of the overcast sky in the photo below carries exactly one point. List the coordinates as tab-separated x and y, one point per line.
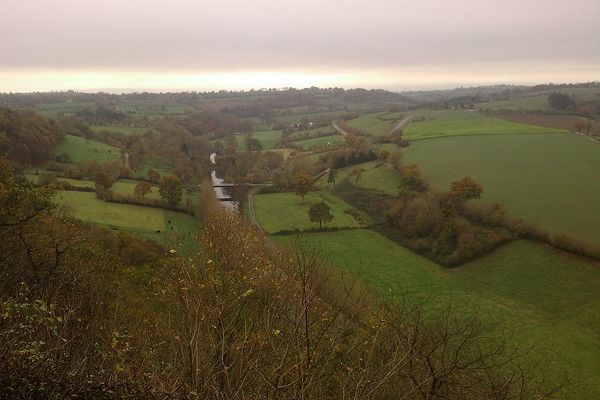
243	44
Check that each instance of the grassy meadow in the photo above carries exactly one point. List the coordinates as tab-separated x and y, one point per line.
376	175
538	101
550	180
170	228
125	130
370	123
452	123
80	149
268	139
527	291
278	212
311	133
328	142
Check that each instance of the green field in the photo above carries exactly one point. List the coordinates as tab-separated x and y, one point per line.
156	164
538	101
371	124
268	139
527	291
376	175
35	178
551	180
300	116
122	187
323	142
147	222
452	123
125	187
278	212
311	133
80	149
125	130
51	110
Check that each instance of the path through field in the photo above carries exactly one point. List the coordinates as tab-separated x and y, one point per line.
401	124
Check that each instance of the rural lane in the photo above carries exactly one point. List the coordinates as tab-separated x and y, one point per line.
401	124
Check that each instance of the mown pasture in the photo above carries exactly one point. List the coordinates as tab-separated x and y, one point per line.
526	291
550	180
566	122
374	175
323	142
453	123
80	149
268	139
372	124
170	228
278	212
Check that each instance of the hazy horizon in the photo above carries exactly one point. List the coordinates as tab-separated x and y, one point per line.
184	45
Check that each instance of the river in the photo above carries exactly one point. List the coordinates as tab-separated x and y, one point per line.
222	193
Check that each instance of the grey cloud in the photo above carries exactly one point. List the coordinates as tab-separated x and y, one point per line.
185	35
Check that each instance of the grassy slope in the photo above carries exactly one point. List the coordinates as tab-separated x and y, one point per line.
525	290
137	220
162	169
539	100
87	207
310	133
80	149
451	123
376	175
268	139
126	130
371	124
550	180
285	211
332	141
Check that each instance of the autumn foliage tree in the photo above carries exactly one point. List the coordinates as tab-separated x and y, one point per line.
142	189
464	190
170	189
27	138
302	184
153	175
412	180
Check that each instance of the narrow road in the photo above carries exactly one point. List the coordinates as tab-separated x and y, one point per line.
251	212
337	128
401	124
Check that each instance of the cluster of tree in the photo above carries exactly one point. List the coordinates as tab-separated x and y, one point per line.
101	114
355	151
89	314
215	124
562	101
27	138
251	166
435	224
